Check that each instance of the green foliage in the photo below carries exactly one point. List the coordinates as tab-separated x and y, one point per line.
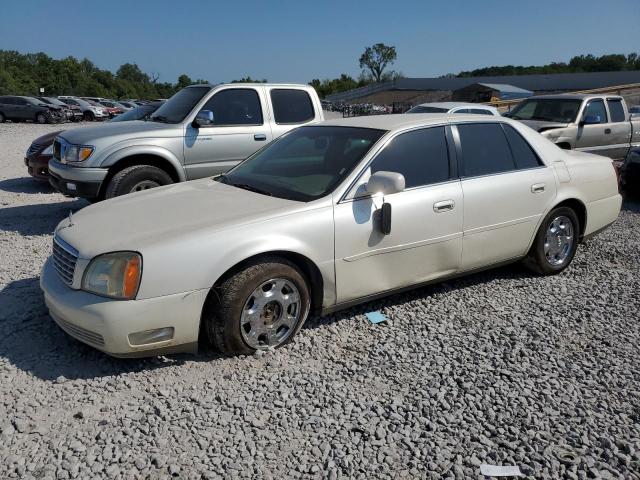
24	74
376	59
580	63
341	84
248	79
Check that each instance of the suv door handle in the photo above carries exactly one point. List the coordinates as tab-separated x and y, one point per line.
259	137
444	206
538	187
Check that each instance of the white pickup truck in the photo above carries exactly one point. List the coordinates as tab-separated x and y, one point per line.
202	130
598	124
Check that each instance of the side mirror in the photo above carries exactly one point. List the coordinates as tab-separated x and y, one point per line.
385	183
203	119
591	119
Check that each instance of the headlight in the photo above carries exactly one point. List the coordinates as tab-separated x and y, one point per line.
48	150
114	275
77	153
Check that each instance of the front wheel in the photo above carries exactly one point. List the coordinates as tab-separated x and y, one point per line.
262	306
41	118
135	179
88	116
556	242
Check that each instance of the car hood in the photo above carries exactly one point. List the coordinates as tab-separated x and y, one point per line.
47	138
540	125
132	129
146	219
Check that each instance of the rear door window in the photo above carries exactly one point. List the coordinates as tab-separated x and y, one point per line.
291	106
480	111
616	110
485	150
420	155
523	154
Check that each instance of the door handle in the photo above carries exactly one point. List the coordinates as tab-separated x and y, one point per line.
538	188
444	206
259	137
607	131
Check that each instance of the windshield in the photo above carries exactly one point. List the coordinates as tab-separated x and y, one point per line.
180	105
138	113
424	109
547	110
305	164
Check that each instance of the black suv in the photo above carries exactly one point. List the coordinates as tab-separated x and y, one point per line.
28	108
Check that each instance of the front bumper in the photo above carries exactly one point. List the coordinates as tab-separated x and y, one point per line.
76	181
106	324
38	166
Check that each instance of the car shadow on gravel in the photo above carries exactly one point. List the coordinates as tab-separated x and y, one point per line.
37	219
33	343
25	185
514	271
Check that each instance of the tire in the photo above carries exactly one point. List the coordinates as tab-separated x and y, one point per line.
135	179
550	258
2	117
88	116
41	118
225	309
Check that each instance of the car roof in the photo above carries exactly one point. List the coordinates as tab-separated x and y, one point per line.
572	96
455	104
401	121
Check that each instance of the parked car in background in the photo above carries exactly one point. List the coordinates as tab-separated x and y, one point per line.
203	130
454	107
634	111
72	112
590	123
127	104
90	111
21	108
41	149
327	216
115	104
630	171
110	107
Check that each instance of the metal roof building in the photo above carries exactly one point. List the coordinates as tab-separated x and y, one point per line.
485	92
541	83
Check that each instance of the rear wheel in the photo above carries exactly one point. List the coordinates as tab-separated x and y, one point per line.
88	116
135	179
262	306
41	118
556	242
2	117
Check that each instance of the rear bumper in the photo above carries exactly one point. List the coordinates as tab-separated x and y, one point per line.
106	324
601	214
76	181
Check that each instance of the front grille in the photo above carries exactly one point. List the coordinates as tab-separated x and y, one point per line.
64	260
34	147
56	149
81	334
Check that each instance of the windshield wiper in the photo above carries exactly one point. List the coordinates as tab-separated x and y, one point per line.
251	188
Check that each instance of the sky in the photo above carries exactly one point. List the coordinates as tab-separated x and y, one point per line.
296	41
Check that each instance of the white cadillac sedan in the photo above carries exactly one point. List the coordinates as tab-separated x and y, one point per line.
325	217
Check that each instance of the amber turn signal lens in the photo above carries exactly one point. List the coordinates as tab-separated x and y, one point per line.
131	278
84	153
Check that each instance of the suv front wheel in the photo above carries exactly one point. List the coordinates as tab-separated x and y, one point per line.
135	179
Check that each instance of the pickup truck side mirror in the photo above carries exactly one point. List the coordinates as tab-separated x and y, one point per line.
204	118
591	119
385	183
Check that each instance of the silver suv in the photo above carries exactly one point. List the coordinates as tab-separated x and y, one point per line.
202	130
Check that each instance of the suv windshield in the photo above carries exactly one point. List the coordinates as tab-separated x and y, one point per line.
178	107
424	109
305	164
547	110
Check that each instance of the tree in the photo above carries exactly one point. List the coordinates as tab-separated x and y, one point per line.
248	79
184	80
376	59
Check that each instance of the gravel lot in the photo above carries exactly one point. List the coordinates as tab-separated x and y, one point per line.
502	368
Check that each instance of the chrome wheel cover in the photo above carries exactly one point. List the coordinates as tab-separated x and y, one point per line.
271	314
144	185
559	241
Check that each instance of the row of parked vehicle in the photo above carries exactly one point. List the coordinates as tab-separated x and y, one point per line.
294	215
63	108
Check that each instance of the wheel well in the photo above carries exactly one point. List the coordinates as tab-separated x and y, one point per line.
581	211
306	266
142	159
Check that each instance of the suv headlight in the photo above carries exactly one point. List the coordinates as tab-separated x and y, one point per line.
77	153
114	275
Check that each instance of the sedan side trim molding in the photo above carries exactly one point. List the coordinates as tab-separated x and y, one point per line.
501	225
405	246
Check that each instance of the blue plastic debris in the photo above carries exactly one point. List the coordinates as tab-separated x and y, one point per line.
376	317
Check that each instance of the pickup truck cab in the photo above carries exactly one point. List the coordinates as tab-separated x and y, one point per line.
598	124
201	131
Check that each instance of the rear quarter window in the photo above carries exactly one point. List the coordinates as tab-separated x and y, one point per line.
291	106
616	110
523	154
